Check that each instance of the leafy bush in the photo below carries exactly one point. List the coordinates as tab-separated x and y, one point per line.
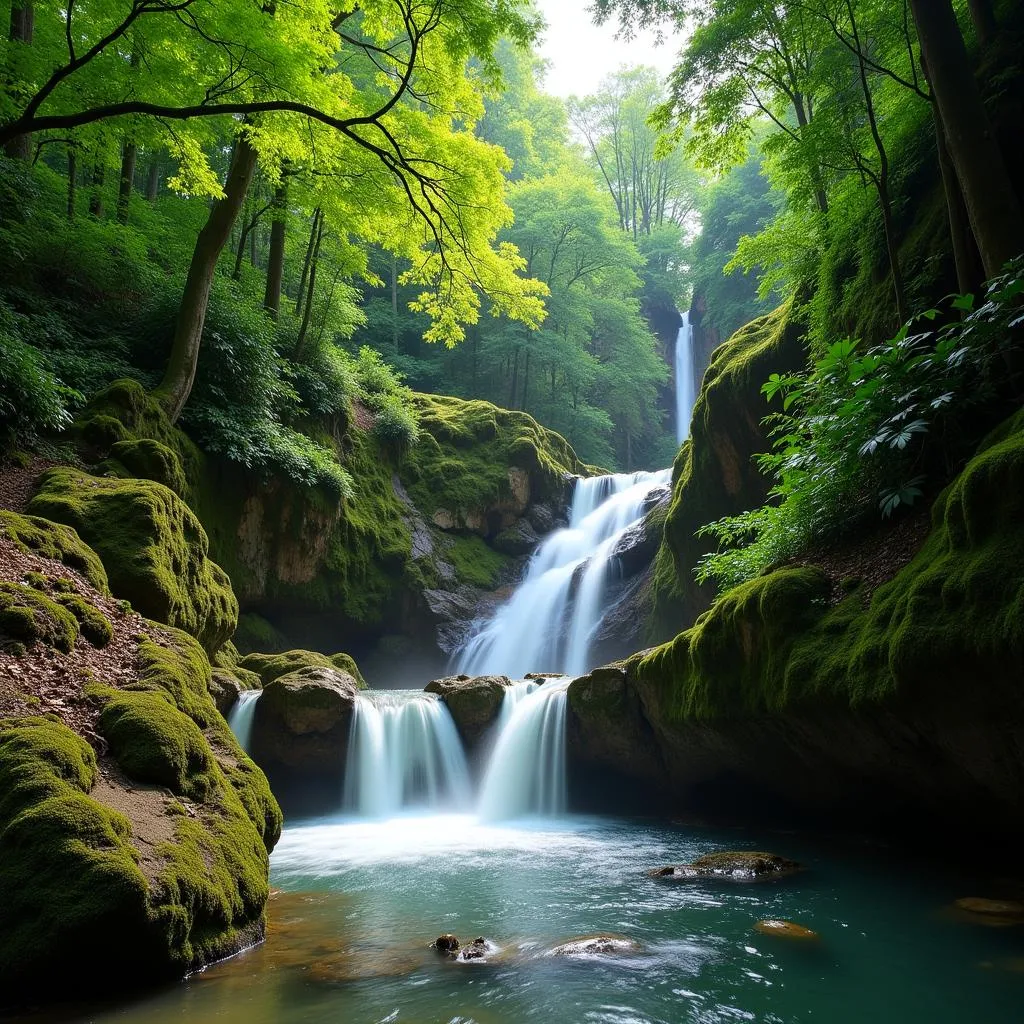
32	399
374	376
852	437
396	424
326	383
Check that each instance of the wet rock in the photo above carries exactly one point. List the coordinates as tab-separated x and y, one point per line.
542	517
544	675
475	950
988	912
303	719
596	945
446	943
518	539
786	930
733	866
474	702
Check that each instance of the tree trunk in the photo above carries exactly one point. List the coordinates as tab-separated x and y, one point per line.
254	245
307	262
526	379
984	19
275	262
153	179
124	191
22	30
176	386
515	381
307	313
72	180
992	204
96	195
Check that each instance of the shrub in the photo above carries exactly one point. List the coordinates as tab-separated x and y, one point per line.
852	438
396	424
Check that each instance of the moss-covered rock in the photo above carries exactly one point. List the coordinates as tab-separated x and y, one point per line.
911	699
714	474
733	866
302	721
28	617
92	623
226	685
474	702
56	541
153	548
149	460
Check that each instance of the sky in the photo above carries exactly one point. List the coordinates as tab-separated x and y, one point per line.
581	54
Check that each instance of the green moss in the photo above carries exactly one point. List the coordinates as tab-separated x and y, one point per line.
271	666
155	742
29	617
54	541
466	448
714	474
92	623
254	633
475	562
153	549
149	460
347	664
954	616
68	872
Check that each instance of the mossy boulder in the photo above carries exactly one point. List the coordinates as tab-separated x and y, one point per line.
302	721
714	474
226	684
154	550
147	459
73	883
269	667
474	702
55	541
28	617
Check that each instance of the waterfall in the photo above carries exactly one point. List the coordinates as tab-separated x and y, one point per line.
685	384
240	717
526	771
550	620
403	752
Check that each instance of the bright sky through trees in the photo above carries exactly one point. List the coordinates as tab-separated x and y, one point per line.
581	53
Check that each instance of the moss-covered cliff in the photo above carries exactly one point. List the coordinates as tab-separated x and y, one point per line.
714	474
910	698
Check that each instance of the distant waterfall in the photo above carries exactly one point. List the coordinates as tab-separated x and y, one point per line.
686	393
240	717
403	752
550	620
526	771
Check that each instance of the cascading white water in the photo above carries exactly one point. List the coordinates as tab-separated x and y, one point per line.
685	378
240	717
550	620
526	771
403	752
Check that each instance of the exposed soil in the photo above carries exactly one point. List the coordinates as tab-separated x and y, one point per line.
871	559
18	483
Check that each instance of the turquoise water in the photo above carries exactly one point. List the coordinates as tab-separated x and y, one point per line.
358	903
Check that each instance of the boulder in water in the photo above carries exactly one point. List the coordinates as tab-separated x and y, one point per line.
596	945
474	702
447	943
786	930
732	866
988	912
302	721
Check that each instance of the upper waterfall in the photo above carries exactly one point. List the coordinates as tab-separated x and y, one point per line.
548	623
686	391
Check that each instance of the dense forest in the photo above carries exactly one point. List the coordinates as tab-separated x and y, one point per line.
340	356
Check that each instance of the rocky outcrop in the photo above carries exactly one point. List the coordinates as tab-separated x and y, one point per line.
474	702
587	946
302	722
133	829
899	707
714	474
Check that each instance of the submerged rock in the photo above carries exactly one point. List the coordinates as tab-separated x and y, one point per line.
474	702
991	913
786	930
596	945
733	866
